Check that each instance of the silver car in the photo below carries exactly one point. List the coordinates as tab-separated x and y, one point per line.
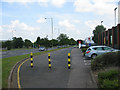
94	51
42	49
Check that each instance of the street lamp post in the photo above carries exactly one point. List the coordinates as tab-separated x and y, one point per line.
101	22
13	33
115	15
52	29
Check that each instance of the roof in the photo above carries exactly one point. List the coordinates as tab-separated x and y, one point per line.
98	46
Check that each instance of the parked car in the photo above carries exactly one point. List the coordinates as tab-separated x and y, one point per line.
58	46
42	49
94	51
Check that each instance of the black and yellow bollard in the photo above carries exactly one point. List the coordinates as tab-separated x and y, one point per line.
49	60
69	61
31	58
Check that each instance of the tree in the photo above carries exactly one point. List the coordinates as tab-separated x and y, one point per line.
27	43
63	39
18	42
3	45
46	42
8	44
98	29
38	41
72	41
55	42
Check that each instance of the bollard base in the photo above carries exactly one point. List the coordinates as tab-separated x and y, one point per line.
68	67
31	66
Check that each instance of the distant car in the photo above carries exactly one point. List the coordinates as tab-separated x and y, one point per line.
63	46
42	49
58	46
94	51
75	46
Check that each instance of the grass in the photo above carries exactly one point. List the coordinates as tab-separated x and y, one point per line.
109	79
8	63
17	49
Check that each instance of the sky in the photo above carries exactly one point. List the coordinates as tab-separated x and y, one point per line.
76	18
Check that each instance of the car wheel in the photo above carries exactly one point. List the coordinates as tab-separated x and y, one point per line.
93	56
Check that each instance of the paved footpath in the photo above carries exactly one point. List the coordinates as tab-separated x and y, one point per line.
59	76
80	75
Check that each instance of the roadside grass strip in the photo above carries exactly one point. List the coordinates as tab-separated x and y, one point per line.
16	49
8	63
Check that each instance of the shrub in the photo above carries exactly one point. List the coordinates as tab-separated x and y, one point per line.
84	49
110	84
105	60
109	79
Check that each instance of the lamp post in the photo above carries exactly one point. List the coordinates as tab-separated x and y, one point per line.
115	15
13	33
52	29
101	23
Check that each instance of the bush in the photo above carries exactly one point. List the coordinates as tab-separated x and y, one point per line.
105	60
110	84
84	49
109	79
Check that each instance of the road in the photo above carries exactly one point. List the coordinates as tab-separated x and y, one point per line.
6	54
59	76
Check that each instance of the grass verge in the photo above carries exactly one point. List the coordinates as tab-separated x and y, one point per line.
17	49
8	63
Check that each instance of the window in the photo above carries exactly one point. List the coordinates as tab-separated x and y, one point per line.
99	48
107	48
94	48
89	49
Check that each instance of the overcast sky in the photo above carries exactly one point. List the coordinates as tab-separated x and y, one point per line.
76	18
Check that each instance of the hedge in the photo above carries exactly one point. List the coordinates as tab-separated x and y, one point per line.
109	79
106	60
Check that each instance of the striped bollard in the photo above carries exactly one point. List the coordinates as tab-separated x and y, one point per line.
31	58
69	61
49	60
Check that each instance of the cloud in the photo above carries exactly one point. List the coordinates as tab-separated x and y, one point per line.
19	26
97	6
0	28
24	1
82	6
92	24
66	24
58	3
41	20
76	21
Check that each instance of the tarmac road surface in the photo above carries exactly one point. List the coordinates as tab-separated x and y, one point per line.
6	54
59	76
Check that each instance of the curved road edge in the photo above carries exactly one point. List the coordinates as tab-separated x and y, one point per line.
11	72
